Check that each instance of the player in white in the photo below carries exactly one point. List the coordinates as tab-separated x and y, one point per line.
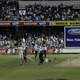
21	55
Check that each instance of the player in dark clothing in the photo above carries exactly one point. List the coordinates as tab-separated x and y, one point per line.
44	51
41	58
41	55
25	55
36	52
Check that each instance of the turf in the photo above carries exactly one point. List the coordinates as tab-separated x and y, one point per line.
10	68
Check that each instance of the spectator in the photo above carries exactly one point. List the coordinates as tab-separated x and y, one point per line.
37	12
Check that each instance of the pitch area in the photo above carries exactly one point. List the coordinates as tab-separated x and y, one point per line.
10	68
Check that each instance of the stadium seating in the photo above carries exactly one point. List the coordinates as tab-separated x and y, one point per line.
37	12
8	40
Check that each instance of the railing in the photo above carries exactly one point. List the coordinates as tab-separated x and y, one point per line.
39	23
48	0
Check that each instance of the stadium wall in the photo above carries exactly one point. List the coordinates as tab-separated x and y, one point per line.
49	51
69	50
56	3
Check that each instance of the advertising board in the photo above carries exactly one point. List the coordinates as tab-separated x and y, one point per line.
72	37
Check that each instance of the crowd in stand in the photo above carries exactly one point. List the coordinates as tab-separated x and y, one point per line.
38	12
50	41
30	40
6	41
9	10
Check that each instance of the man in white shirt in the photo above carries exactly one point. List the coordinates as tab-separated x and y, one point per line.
23	54
21	50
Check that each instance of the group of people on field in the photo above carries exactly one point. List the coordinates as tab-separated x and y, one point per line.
39	52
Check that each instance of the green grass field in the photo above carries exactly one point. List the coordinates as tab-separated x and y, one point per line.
10	68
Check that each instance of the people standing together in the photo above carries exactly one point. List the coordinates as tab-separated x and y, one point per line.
40	53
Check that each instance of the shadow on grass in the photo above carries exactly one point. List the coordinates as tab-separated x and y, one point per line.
52	79
61	79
